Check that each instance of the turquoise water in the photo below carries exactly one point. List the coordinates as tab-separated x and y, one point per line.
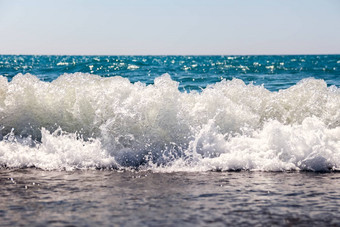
193	72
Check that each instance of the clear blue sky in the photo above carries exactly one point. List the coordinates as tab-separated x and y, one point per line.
169	27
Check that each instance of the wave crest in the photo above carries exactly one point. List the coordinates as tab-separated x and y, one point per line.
112	123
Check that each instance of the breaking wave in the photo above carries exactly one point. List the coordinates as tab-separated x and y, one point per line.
82	121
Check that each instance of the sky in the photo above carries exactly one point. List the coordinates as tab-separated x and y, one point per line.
169	27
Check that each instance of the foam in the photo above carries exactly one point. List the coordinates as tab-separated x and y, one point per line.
81	121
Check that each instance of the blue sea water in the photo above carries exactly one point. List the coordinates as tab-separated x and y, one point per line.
192	72
155	140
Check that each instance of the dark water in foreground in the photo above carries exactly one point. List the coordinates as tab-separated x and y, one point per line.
85	198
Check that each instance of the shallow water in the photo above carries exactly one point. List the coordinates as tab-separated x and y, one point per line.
85	198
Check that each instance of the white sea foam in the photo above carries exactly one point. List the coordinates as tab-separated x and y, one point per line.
56	151
85	121
133	67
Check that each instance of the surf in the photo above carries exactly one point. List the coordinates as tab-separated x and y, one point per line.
84	121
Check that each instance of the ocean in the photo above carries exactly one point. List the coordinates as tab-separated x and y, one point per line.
170	140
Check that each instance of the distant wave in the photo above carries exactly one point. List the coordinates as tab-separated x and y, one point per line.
82	121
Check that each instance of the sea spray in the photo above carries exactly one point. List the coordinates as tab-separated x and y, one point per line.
81	121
